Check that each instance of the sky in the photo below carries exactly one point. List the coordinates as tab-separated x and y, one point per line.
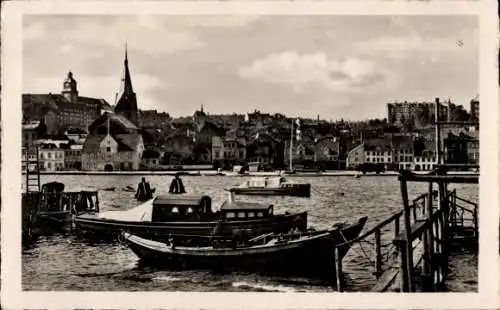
334	66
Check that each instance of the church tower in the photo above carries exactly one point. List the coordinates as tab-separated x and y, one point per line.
70	91
127	101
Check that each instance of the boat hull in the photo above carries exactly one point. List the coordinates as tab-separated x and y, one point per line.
297	190
307	256
194	231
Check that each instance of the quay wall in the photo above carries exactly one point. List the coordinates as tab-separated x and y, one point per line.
333	173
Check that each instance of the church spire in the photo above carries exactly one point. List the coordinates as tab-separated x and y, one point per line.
127	81
127	101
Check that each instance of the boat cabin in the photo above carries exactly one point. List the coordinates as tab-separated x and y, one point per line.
240	210
265	182
181	207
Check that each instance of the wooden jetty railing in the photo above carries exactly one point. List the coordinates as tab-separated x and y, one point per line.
386	230
418	236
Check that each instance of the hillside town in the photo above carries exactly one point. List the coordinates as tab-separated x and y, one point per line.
70	132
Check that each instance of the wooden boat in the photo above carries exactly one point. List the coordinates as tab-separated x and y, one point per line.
278	186
190	217
293	253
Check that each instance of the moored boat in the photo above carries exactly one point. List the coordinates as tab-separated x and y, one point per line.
189	217
293	253
278	186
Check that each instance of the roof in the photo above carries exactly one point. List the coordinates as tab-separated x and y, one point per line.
402	141
115	119
211	126
243	205
181	200
92	143
377	144
150	154
127	142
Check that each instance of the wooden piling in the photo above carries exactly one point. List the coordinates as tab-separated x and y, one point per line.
403	265
443	222
396	227
338	270
430	235
378	254
407	230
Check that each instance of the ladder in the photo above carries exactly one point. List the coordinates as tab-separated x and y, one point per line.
32	170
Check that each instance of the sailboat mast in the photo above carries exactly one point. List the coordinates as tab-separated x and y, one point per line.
291	146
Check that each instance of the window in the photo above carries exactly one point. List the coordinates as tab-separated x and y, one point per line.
175	210
241	215
260	214
48	154
230	215
251	214
108	149
48	165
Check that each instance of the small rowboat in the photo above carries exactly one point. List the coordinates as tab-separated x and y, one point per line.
308	253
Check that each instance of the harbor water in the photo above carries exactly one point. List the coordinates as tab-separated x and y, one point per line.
66	262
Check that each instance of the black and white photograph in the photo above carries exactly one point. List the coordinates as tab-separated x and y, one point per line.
251	153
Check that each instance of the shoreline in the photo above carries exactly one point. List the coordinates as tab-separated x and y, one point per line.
332	173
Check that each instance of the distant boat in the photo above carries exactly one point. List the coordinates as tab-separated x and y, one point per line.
109	189
309	253
278	186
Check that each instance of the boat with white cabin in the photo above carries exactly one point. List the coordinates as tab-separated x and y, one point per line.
278	186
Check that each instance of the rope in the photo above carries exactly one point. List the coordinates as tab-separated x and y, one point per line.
364	253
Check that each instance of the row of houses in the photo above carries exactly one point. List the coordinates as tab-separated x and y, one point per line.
460	146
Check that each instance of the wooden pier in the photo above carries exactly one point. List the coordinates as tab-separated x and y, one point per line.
47	210
416	257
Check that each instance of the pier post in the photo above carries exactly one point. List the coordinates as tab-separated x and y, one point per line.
378	254
430	238
476	228
426	272
396	227
403	264
407	230
443	226
414	211
338	270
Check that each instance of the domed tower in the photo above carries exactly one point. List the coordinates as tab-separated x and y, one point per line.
70	91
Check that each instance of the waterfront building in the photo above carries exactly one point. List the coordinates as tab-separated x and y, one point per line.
402	149
63	111
456	148
114	143
422	163
72	156
30	132
150	159
126	104
51	157
303	151
378	151
264	149
355	157
227	152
